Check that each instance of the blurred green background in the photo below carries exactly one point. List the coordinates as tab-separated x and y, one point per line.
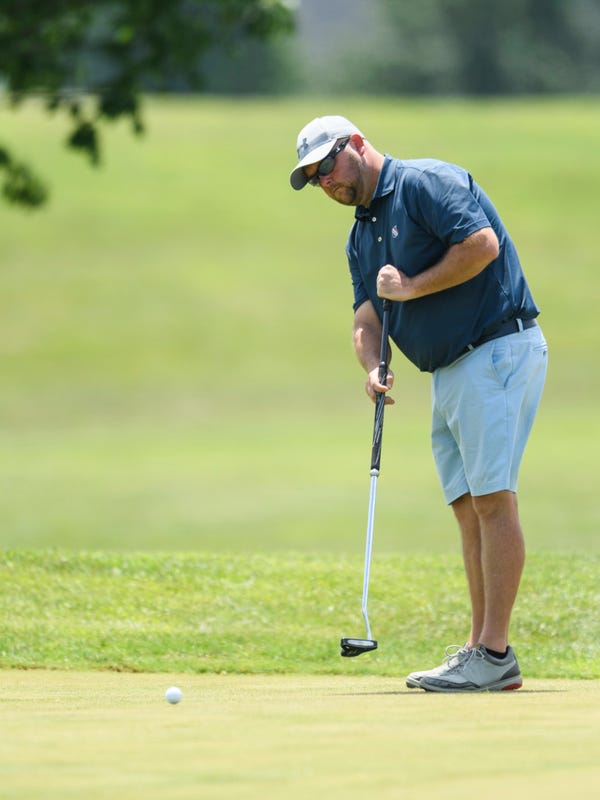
176	362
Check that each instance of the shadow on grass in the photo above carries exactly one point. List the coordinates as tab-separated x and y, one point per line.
421	692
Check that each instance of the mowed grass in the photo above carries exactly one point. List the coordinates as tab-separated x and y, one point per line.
184	453
95	735
279	613
177	372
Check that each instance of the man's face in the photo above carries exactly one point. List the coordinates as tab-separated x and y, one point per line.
345	181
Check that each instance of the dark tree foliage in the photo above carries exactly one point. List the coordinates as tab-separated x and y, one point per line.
69	51
484	47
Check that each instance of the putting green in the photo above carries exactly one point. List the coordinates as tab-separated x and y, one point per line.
98	735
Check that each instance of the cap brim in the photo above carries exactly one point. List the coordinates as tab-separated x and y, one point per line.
298	179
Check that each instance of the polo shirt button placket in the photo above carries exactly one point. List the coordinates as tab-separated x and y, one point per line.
379	238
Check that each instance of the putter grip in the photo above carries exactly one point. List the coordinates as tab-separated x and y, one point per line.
377	433
383	353
380	399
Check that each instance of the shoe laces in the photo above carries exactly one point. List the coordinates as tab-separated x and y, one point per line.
456	653
466	654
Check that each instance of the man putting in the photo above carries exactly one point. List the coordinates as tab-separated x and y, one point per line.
428	238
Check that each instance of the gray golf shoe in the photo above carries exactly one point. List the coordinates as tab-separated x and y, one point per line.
477	671
454	655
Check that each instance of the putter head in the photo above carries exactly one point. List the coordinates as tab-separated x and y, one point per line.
355	647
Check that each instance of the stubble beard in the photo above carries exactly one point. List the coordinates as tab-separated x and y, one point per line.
345	194
349	193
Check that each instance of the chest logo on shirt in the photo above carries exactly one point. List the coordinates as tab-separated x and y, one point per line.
395	231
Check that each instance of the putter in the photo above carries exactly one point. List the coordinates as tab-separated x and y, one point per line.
354	647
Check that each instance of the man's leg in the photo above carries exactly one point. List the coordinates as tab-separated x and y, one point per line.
471	549
483	406
494	555
502	561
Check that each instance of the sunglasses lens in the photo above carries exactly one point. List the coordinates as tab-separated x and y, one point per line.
326	166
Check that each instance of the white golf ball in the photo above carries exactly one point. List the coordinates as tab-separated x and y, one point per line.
173	695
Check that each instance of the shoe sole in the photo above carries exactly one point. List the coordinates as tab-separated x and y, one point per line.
413	681
512	684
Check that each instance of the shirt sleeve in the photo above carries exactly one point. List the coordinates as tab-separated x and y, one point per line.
358	285
443	203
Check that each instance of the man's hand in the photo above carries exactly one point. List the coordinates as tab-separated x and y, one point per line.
373	387
393	284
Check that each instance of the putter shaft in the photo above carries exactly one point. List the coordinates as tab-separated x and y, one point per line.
354	647
369	549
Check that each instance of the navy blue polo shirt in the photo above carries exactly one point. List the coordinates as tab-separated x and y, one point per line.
419	209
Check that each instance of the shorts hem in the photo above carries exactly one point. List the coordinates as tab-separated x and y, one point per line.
481	491
450	495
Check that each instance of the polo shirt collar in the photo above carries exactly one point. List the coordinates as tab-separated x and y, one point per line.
385	185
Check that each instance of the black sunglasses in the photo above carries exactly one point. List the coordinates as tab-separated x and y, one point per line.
327	164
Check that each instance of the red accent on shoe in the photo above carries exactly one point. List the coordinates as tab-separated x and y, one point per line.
512	686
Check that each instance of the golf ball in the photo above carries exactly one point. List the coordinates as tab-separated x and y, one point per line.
173	695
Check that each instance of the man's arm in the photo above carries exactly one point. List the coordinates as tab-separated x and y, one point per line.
367	345
460	263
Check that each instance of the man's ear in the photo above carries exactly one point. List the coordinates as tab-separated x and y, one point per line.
358	143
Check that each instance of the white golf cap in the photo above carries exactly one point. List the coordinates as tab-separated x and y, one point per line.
315	141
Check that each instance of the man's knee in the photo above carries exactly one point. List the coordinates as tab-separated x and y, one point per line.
495	504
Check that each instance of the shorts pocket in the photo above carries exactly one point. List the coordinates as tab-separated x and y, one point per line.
541	348
501	360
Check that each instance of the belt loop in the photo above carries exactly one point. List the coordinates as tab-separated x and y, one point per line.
519	324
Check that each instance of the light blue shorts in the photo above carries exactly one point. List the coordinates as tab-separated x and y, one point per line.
483	406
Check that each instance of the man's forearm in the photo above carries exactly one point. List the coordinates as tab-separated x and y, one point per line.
367	344
460	263
367	341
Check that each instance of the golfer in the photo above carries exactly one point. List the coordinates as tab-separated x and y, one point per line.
428	238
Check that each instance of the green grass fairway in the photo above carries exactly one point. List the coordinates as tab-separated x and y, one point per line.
278	614
81	735
177	371
184	455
